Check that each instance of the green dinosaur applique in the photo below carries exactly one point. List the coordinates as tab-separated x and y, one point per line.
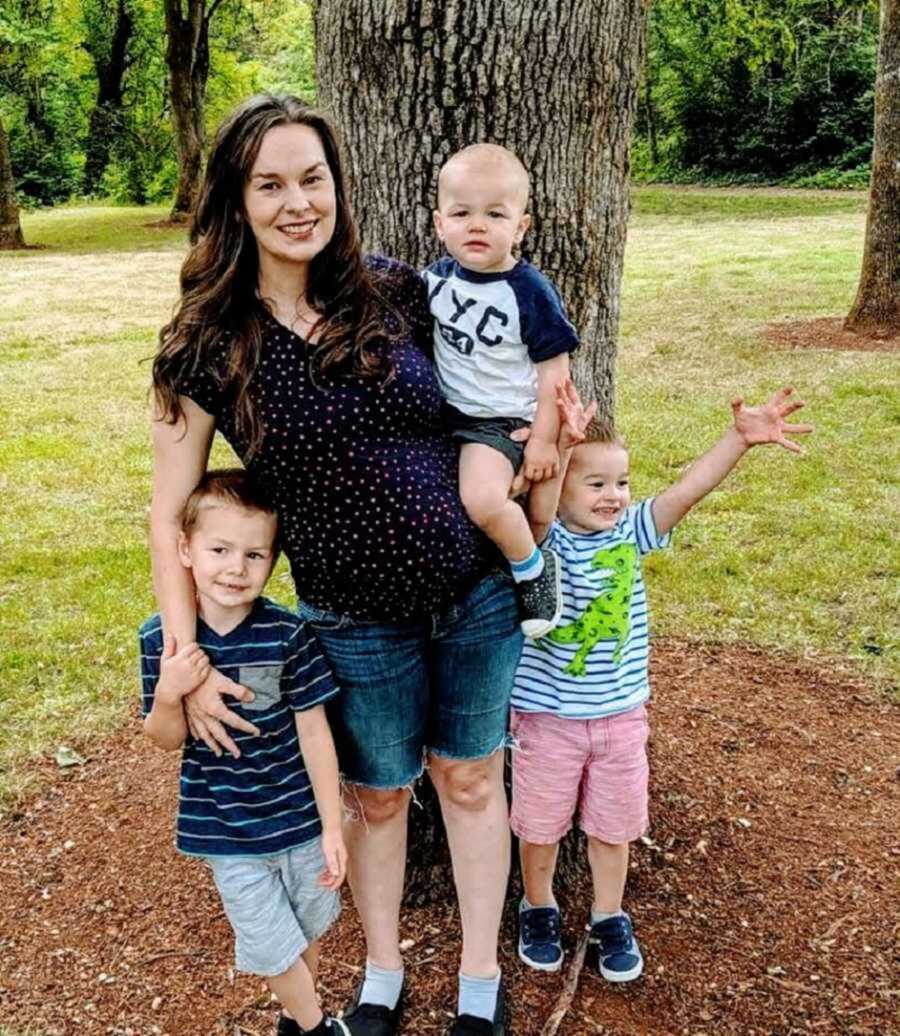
608	616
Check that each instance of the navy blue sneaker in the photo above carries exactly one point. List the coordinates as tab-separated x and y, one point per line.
539	943
613	950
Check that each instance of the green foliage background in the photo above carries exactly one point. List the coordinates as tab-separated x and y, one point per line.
734	91
48	86
766	91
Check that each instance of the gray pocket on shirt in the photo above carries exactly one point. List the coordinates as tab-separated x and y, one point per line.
265	682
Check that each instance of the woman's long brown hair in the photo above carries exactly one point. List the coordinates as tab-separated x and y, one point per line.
219	277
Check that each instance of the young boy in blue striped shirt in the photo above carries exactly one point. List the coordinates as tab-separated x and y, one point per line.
269	822
578	700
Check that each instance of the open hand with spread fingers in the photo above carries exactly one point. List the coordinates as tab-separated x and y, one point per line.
767	424
574	417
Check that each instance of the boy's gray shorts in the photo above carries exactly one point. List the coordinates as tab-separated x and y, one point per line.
275	904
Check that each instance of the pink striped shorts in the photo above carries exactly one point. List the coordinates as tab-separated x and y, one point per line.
597	767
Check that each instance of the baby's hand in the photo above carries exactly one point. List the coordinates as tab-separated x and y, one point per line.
573	417
541	460
758	425
180	671
335	853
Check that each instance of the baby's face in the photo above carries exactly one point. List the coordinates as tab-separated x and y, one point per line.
596	490
481	213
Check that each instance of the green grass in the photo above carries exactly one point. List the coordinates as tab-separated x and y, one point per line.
795	553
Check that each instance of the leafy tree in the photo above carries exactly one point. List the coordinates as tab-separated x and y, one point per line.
109	31
758	88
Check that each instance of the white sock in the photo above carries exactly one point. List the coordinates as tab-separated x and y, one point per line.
598	916
529	568
478	996
381	986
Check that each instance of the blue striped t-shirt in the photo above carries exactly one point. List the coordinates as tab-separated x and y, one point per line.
262	803
595	662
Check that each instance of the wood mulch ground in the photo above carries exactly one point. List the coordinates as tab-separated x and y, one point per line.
766	898
828	333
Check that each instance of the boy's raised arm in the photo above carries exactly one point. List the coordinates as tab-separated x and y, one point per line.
753	426
573	419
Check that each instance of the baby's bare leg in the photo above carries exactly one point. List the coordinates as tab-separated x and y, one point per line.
485	477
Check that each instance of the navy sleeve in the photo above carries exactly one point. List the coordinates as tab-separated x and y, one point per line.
150	638
203	386
306	679
546	330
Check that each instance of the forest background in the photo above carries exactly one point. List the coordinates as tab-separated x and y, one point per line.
733	91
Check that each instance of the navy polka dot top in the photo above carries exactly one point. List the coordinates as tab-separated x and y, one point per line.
364	476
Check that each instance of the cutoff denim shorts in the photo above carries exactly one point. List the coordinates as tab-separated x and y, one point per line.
440	684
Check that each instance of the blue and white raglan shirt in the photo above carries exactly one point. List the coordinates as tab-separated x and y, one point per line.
262	803
595	662
490	329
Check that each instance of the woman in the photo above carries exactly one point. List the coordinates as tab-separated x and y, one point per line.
314	366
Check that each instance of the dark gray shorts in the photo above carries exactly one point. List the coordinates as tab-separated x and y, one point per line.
490	431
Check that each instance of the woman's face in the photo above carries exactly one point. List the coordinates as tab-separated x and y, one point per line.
289	197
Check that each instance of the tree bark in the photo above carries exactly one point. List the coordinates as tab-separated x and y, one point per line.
411	81
187	56
877	305
10	224
111	62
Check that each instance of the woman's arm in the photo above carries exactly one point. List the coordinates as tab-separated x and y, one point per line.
180	454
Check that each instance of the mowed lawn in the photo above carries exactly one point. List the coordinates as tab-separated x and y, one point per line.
794	553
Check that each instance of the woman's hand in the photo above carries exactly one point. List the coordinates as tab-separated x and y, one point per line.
759	425
181	670
335	852
207	714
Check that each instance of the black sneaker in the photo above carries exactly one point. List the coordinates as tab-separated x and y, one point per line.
328	1025
371	1019
470	1025
540	599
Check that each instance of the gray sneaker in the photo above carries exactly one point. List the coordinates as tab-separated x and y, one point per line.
540	599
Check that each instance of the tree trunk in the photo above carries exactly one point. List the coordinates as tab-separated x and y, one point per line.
111	62
877	305
10	225
187	56
411	81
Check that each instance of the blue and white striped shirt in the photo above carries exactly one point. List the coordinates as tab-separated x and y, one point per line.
595	662
262	803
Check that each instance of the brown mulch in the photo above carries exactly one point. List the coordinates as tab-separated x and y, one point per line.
828	333
766	897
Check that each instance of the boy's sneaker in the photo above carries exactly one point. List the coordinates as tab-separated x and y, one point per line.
471	1025
613	950
540	599
328	1027
372	1019
539	942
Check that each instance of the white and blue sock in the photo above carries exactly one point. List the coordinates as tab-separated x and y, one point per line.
529	568
478	996
381	986
598	916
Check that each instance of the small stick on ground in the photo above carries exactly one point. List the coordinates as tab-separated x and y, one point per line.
564	1001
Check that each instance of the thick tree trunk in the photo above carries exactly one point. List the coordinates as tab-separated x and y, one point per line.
10	225
411	81
187	56
111	63
877	305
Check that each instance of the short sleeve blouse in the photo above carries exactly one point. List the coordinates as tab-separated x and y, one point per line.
363	474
